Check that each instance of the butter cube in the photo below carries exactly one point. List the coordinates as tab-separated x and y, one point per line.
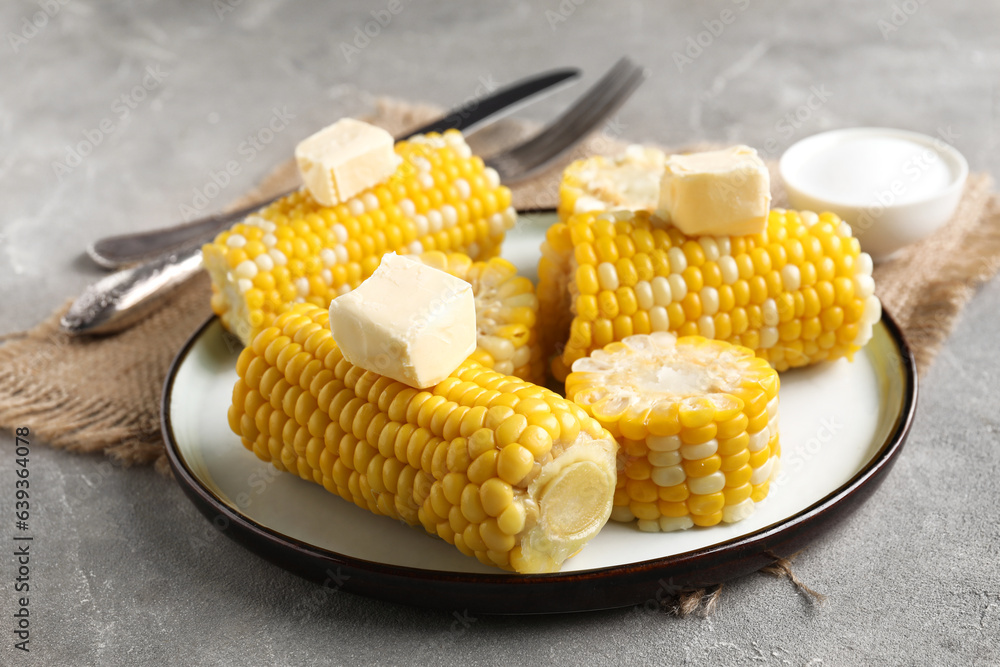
718	193
345	159
408	321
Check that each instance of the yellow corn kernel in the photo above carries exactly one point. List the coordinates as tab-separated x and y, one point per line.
706	520
764	292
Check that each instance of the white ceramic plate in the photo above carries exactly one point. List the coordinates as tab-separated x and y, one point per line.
841	425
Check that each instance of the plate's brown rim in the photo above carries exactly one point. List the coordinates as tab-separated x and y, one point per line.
616	586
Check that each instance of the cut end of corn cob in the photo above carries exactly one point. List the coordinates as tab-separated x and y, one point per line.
800	293
629	181
697	421
441	197
508	472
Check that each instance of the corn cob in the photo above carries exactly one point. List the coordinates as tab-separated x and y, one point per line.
507	471
629	181
799	293
506	313
697	421
441	197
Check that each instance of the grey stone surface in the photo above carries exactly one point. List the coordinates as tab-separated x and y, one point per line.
125	571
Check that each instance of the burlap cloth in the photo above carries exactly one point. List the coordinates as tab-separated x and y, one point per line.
102	394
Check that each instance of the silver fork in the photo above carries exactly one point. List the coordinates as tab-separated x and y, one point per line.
600	101
125	297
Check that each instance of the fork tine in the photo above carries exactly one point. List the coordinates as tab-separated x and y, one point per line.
530	157
596	97
568	134
571	131
601	100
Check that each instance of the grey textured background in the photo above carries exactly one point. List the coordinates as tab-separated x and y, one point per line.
125	572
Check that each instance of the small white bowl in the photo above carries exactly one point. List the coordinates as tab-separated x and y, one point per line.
892	186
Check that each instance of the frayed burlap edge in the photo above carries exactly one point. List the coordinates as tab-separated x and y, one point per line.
77	424
46	381
962	256
703	602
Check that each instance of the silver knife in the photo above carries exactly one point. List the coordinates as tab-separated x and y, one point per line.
127	296
114	252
